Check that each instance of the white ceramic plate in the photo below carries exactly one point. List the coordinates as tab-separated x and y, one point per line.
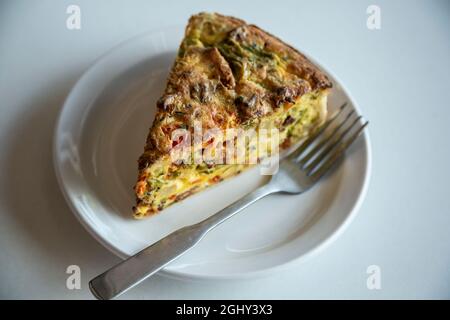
101	133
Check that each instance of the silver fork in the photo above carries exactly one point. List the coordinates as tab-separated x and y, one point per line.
297	173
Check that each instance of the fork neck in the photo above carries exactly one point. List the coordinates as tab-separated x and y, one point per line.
237	206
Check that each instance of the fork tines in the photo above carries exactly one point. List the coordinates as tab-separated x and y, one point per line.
317	155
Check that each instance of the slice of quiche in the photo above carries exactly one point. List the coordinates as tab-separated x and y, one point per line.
227	75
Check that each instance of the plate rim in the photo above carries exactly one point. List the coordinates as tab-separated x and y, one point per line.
180	275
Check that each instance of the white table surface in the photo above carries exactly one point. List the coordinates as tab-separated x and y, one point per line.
400	76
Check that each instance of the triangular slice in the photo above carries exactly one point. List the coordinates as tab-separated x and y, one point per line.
227	74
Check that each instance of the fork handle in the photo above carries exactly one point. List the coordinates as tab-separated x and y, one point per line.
150	260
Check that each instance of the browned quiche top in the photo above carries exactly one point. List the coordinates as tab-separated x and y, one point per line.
227	73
